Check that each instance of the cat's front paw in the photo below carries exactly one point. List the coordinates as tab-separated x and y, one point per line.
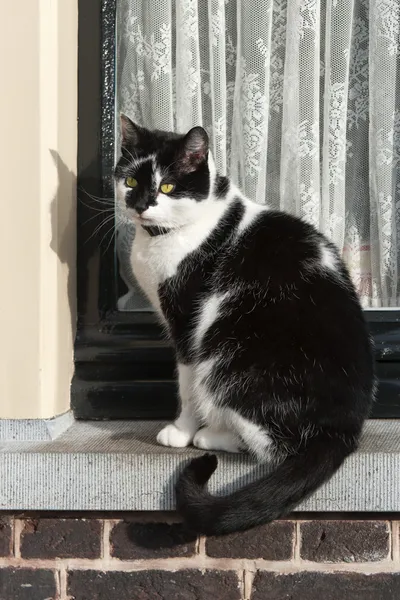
172	436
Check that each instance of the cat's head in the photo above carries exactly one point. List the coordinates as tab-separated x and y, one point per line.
163	178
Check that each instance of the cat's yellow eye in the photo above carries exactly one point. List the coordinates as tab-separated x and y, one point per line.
131	182
167	188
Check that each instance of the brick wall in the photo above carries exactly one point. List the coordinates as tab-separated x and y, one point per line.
153	557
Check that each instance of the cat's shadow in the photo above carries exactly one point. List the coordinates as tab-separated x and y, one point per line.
63	230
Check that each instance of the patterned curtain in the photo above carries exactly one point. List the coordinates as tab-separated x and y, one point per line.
301	100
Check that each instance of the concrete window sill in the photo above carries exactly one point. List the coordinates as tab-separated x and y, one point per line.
116	465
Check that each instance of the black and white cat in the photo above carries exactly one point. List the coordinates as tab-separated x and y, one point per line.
273	352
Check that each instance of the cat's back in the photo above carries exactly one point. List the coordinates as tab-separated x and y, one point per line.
290	307
274	249
286	279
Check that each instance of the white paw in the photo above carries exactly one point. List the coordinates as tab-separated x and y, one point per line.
125	300
172	436
207	439
202	440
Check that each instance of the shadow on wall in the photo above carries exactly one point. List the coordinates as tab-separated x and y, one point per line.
63	227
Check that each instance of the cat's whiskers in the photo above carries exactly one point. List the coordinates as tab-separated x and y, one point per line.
97	199
95	208
108	220
96	216
113	229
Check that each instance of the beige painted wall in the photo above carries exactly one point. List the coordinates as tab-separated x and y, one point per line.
38	148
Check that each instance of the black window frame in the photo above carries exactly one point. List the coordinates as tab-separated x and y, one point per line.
124	368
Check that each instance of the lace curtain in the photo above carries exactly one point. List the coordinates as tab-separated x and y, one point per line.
301	102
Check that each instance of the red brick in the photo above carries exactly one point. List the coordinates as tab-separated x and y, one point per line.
154	585
326	586
5	536
271	542
27	584
344	541
61	538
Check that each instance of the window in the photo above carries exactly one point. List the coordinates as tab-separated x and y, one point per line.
124	367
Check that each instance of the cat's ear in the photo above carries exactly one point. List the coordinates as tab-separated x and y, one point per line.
193	150
131	134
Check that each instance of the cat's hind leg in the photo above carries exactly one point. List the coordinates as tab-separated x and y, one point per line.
216	433
256	438
225	428
180	433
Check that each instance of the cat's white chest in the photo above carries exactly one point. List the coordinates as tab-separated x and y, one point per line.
155	259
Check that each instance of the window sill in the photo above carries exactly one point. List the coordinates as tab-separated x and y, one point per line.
117	466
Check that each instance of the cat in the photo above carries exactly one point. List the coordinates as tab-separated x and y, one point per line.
273	353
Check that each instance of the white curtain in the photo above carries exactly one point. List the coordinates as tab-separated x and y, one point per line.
301	100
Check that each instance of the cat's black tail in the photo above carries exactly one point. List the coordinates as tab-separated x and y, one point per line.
269	498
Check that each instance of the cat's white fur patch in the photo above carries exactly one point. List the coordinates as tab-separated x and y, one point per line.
202	371
209	312
139	161
157	178
328	258
255	437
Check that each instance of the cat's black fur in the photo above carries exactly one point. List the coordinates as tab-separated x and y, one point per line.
292	338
